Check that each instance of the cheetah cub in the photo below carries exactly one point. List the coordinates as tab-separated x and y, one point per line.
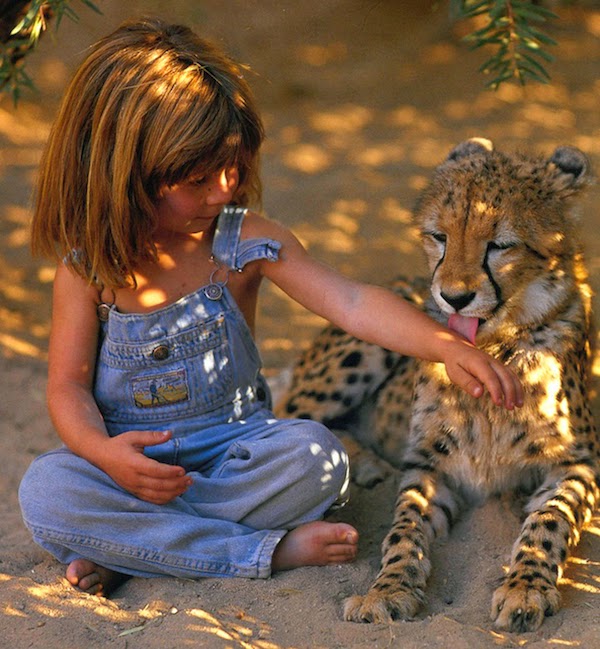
500	238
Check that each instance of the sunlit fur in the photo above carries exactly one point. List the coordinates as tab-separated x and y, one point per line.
500	236
151	105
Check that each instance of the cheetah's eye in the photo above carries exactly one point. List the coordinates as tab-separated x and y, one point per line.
500	245
440	237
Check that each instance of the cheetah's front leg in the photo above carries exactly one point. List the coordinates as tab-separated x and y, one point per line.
558	511
423	510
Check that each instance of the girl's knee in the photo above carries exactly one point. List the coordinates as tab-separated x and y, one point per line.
40	483
326	456
52	484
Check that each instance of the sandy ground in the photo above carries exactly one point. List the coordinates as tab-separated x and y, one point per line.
361	99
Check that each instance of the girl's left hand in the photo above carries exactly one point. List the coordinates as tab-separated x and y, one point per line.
124	461
473	370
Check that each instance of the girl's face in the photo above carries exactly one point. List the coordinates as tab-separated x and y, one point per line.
192	205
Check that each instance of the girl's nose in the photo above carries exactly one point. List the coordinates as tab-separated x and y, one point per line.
222	186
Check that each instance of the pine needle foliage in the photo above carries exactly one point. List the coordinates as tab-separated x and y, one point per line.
22	22
513	29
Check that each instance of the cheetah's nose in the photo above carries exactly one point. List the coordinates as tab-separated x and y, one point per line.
458	301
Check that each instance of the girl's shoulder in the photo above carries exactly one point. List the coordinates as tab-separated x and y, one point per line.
68	274
257	226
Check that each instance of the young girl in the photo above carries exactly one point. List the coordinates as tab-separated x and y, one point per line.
172	462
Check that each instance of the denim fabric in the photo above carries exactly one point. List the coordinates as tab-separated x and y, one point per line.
191	368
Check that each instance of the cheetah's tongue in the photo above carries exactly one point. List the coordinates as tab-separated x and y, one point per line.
464	325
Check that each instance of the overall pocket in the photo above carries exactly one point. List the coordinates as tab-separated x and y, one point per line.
175	376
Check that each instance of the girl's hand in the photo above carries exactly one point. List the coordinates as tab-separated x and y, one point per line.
471	369
124	461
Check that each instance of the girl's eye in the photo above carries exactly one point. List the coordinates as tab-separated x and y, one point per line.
198	181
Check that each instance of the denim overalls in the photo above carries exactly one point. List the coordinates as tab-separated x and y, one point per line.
191	368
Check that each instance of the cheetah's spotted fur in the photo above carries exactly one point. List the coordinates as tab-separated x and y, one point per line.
500	237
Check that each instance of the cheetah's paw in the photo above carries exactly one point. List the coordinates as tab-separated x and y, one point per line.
378	608
522	608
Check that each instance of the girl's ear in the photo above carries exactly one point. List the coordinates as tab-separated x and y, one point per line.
473	146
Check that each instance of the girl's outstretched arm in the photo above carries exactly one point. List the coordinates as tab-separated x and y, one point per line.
379	316
74	413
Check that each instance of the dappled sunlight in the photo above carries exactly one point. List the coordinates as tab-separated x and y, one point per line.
411	117
241	632
360	105
24	128
580	580
382	154
337	241
344	221
113	619
346	214
367	128
345	119
545	376
441	53
596	364
589	587
593	529
430	152
592	23
330	463
392	210
555	119
418	182
307	158
24	293
58	600
278	344
14	346
320	55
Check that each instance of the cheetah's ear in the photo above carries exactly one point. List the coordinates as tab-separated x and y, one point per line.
572	166
471	147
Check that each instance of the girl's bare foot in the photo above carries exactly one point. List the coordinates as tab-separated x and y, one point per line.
316	544
92	578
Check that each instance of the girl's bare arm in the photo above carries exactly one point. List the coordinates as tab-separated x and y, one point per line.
377	315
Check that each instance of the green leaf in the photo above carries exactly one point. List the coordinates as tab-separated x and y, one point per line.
535	12
467	9
542	37
545	55
495	83
526	71
13	78
535	64
92	6
494	64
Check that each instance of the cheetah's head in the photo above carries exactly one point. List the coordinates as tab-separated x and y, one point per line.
500	234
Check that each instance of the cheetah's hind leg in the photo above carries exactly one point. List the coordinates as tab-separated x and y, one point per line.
366	467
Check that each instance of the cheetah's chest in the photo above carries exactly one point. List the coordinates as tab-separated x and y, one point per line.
481	448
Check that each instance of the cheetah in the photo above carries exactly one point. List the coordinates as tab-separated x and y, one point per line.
500	235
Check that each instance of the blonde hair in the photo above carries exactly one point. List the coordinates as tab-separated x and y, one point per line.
150	105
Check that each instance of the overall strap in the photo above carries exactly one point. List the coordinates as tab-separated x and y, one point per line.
227	235
234	254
